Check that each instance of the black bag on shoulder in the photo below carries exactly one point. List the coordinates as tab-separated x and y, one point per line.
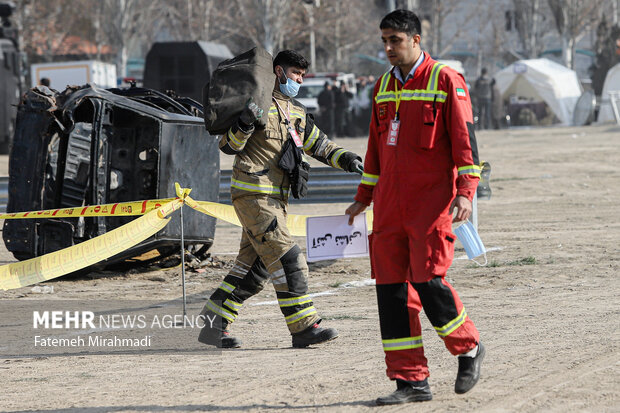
233	82
298	170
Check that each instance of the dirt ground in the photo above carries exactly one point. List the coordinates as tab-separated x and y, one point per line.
546	307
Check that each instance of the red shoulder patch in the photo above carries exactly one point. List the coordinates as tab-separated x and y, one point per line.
382	110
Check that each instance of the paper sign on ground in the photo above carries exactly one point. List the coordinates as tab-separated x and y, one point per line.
331	237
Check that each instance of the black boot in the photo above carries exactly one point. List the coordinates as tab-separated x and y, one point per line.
313	335
407	392
216	334
469	371
219	339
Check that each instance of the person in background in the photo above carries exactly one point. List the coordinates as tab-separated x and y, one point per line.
498	106
44	82
421	166
483	91
361	108
326	101
342	110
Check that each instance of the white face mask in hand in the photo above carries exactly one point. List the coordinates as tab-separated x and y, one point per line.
468	236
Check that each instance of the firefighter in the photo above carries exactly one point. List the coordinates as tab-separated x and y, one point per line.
268	167
420	166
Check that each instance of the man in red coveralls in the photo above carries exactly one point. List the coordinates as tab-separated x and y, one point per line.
421	165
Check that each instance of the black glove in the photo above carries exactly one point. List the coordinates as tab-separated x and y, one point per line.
357	166
250	114
351	162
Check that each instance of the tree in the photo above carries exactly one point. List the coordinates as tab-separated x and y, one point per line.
340	37
43	26
460	18
193	19
571	18
129	24
261	22
203	11
528	19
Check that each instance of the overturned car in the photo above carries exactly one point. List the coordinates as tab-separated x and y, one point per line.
89	146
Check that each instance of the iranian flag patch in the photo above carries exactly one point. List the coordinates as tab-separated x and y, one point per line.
461	93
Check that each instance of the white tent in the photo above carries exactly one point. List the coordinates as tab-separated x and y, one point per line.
454	64
542	80
612	84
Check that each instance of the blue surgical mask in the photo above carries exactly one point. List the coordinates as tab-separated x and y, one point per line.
468	236
290	88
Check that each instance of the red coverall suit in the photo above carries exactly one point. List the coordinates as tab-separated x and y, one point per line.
412	185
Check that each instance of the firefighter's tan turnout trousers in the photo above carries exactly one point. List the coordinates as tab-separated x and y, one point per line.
267	252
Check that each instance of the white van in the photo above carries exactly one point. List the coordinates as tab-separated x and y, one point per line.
314	83
309	93
62	74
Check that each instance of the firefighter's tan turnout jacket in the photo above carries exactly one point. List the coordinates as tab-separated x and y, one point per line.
257	151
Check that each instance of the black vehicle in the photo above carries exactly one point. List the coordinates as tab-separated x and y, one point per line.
183	66
90	146
10	76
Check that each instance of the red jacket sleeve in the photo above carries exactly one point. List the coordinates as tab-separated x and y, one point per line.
460	127
370	177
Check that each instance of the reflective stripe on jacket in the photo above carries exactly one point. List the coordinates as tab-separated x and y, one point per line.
255	169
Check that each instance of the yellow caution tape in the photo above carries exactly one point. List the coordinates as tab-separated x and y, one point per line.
118	209
58	263
296	223
155	218
181	192
224	212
